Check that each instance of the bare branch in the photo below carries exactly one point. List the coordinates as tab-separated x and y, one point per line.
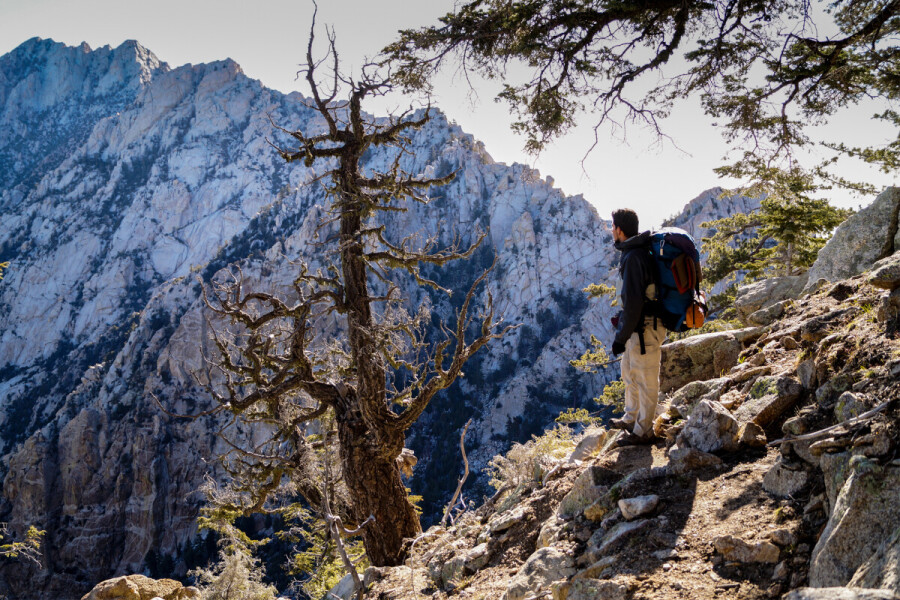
462	480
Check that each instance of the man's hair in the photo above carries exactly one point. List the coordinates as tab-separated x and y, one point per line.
626	220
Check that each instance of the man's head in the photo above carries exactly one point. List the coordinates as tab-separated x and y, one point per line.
625	224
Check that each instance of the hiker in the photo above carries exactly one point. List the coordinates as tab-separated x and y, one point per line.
638	335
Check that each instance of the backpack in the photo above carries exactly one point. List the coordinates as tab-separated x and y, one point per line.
679	304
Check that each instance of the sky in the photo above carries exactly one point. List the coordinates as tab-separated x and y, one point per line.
268	39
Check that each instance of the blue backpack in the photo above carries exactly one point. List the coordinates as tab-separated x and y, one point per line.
679	304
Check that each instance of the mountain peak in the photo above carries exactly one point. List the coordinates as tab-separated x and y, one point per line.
44	72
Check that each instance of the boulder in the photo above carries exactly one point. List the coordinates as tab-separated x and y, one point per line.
783	538
477	558
848	406
710	427
768	399
889	308
600	509
795	426
588	589
445	562
783	481
686	398
416	580
768	315
597	569
683	459
760	295
882	570
865	510
592	441
550	531
541	569
702	357
803	450
737	550
806	373
506	519
632	508
840	594
603	543
139	587
451	571
830	390
886	273
752	435
861	240
589	486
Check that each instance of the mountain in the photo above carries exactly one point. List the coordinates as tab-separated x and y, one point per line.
123	181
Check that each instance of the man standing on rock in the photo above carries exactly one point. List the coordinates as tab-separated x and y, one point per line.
638	334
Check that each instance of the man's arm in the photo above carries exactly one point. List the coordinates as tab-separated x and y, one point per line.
634	288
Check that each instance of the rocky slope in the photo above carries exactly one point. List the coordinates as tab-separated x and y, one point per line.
776	475
122	181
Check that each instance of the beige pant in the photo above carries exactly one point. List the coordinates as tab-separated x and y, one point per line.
640	372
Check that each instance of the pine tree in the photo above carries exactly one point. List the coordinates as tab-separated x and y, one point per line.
782	237
765	71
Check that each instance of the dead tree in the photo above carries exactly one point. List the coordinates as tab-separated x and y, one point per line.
375	381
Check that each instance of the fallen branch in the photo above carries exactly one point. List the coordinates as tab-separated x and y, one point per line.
823	432
550	474
497	495
462	480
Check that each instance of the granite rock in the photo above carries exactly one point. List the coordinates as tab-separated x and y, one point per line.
769	398
766	293
783	481
886	273
737	550
882	569
864	510
861	240
701	357
683	459
710	427
638	506
139	587
541	569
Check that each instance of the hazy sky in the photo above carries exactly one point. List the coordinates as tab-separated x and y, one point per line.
268	39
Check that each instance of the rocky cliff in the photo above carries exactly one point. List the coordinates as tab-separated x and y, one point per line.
122	180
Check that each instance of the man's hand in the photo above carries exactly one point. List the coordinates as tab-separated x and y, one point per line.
618	348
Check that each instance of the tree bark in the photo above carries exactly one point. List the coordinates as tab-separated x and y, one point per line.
376	489
368	457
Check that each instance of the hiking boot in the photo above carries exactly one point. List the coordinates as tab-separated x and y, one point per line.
621	424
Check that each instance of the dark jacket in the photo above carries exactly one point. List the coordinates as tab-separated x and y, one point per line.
636	271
